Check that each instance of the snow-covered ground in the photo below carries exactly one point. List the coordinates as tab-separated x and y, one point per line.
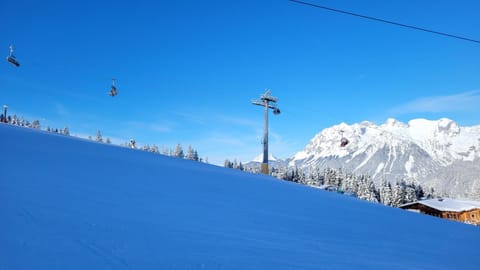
68	203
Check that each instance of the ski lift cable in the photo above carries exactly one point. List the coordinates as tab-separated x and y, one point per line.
386	21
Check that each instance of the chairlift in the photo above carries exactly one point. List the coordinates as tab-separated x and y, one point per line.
276	111
343	141
113	90
11	58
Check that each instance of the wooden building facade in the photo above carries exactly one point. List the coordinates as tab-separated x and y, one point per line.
462	211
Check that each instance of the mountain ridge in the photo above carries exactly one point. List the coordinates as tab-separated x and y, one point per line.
439	154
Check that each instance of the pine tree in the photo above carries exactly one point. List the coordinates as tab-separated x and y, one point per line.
228	164
367	190
189	154
36	124
410	194
99	136
235	164
386	193
315	177
179	152
350	184
330	176
398	194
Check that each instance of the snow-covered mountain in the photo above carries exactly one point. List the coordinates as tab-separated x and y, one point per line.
438	154
259	158
272	161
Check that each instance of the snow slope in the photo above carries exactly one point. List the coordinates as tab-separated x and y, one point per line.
68	203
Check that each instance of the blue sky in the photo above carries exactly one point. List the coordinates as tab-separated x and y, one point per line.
187	71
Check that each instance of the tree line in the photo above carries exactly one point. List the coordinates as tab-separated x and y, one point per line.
190	153
360	186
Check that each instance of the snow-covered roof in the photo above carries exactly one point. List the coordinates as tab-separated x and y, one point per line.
446	204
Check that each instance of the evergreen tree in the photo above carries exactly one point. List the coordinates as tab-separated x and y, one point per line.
228	164
235	164
419	193
398	194
330	176
386	193
295	175
189	155
350	184
179	152
366	189
36	124
315	177
195	155
154	149
410	193
99	136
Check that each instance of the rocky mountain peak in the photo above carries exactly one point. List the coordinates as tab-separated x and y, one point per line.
434	152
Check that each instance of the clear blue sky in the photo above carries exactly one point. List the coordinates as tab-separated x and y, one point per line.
187	70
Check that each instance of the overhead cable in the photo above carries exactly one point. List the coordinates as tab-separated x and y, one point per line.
385	21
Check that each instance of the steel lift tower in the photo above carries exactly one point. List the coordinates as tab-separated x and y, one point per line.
268	102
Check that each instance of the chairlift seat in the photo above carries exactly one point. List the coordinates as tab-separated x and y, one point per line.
11	59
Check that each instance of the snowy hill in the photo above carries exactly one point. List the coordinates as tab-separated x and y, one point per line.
438	154
68	203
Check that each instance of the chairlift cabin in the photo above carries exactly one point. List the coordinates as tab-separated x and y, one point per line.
113	90
11	58
343	141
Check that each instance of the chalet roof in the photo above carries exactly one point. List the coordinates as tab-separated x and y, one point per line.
446	204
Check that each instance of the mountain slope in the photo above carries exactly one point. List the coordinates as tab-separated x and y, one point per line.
438	154
67	203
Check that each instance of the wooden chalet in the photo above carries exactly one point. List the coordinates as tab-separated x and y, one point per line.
462	211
